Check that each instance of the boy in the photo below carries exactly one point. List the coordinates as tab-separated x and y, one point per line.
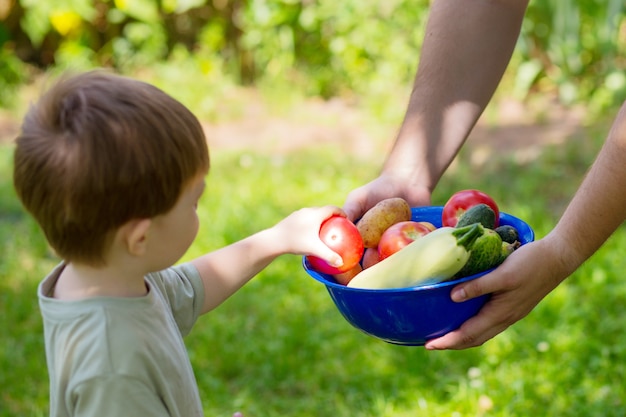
112	169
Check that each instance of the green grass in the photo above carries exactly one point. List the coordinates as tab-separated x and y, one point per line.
279	347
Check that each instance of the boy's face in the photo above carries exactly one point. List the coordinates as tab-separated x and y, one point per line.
172	233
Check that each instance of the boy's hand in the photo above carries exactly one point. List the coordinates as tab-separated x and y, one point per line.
300	233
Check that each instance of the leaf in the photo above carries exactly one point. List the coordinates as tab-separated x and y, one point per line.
65	21
527	74
142	10
180	6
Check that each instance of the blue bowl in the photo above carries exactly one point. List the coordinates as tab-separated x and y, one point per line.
410	316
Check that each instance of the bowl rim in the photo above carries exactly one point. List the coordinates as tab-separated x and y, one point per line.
330	284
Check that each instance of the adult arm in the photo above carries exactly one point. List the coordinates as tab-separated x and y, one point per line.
597	209
465	52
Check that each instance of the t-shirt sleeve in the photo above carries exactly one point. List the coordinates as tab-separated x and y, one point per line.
114	397
183	290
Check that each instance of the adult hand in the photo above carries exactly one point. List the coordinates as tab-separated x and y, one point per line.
385	186
517	286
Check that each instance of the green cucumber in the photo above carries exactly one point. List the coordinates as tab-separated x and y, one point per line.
507	249
480	213
508	233
486	253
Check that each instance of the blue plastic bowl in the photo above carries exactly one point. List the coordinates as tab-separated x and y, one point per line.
410	316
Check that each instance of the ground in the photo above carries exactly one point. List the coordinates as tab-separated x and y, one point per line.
511	127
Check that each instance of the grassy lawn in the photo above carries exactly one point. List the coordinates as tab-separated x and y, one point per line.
280	348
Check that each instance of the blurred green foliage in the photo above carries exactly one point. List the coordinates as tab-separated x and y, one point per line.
576	46
323	47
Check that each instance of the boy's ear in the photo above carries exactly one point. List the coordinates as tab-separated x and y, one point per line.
135	237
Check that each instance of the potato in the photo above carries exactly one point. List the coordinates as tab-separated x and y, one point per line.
377	219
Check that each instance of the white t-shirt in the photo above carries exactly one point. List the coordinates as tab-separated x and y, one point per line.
119	357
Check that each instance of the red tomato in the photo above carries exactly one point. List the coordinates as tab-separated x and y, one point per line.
429	225
342	236
398	236
461	201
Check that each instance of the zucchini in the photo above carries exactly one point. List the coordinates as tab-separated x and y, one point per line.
480	213
432	258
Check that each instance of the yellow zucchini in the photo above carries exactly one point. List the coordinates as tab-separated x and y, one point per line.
432	258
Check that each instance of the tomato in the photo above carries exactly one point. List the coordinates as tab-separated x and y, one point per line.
398	236
461	201
342	236
429	225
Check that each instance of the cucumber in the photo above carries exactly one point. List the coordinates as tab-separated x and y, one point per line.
480	213
487	252
507	249
432	258
508	233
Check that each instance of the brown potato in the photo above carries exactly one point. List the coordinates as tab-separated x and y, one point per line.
377	219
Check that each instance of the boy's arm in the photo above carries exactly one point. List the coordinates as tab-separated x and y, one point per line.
226	270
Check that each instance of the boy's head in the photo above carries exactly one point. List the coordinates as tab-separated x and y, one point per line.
99	150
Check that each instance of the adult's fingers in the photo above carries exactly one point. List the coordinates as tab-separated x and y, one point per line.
356	203
489	322
487	284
